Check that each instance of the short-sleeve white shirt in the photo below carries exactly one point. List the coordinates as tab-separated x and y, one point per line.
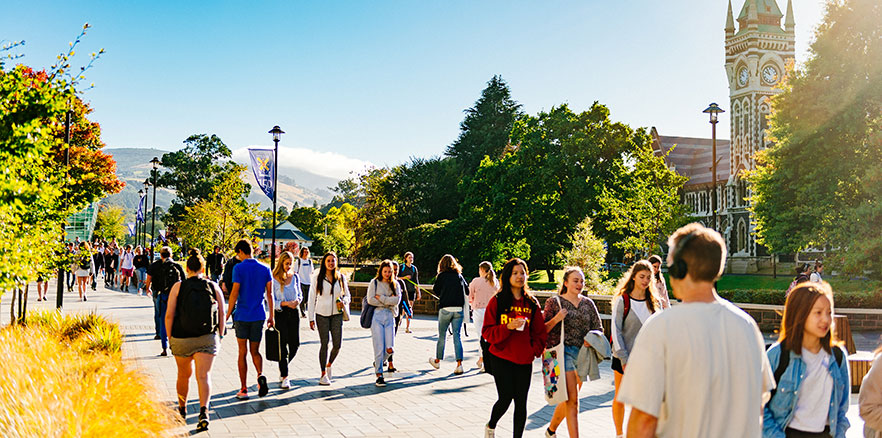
701	369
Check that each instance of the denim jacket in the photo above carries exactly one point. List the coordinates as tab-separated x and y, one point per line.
779	410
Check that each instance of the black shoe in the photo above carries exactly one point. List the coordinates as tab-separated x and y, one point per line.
391	370
203	420
183	412
381	381
164	353
156	338
262	387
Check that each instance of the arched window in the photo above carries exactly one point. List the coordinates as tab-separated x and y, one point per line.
742	236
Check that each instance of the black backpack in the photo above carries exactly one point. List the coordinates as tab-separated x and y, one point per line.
169	274
196	310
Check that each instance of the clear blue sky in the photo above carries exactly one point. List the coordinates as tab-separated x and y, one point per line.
381	81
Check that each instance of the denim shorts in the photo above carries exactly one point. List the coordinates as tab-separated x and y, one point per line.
571	353
250	330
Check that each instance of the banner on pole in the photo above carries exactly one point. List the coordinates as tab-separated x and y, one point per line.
131	228
263	163
162	235
139	216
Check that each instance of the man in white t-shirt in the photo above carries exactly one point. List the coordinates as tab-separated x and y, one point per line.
698	369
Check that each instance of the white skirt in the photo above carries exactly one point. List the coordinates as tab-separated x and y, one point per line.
83	273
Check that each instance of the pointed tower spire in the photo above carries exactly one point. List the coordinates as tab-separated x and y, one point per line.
789	22
752	16
730	21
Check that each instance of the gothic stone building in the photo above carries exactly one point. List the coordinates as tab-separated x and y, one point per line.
757	53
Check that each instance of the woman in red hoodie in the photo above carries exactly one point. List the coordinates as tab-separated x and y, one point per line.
515	328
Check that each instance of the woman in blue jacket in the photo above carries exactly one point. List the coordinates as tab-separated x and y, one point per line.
811	370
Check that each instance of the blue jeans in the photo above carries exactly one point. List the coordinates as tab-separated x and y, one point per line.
163	305
383	335
142	276
445	319
156	312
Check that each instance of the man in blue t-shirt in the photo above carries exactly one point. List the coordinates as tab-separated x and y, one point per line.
251	303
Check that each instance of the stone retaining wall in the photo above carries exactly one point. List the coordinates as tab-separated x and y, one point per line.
768	317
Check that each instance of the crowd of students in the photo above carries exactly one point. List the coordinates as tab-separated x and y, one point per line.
698	368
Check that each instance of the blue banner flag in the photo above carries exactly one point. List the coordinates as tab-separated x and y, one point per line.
139	216
131	228
263	162
162	235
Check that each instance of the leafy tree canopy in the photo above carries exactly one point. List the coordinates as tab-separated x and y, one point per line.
819	185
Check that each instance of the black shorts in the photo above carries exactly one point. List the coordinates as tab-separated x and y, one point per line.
411	295
250	330
617	365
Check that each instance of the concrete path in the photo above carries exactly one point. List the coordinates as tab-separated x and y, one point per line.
418	401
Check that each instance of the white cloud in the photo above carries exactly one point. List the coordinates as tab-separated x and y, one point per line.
330	164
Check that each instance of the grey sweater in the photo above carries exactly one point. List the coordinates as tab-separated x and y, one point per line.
624	332
389	298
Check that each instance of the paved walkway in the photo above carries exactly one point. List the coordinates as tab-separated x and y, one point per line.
418	401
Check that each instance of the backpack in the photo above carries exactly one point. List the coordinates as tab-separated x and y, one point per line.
784	362
169	274
626	302
196	308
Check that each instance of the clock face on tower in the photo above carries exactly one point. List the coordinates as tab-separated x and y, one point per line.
742	76
770	75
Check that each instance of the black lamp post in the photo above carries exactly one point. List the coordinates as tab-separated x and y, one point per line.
61	276
714	110
155	162
277	135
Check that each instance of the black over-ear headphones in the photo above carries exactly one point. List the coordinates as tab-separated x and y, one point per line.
678	269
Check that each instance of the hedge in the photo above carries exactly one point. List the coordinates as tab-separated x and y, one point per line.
843	299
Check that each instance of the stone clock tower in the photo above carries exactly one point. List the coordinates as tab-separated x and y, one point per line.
757	54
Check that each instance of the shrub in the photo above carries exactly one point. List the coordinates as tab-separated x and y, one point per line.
842	299
50	389
85	331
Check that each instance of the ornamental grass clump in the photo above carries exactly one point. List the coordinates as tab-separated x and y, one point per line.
65	377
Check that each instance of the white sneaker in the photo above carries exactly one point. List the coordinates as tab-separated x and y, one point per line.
432	362
286	384
328	372
488	432
325	381
458	370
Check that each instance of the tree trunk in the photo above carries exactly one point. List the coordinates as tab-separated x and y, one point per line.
24	304
550	273
12	307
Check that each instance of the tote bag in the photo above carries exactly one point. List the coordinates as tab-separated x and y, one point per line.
553	374
273	347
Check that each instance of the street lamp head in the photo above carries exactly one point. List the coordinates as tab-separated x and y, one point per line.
155	162
146	183
140	192
714	110
277	133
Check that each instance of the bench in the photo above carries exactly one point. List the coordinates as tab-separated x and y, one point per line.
859	365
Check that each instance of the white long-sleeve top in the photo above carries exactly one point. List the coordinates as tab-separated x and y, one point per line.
286	292
389	295
325	304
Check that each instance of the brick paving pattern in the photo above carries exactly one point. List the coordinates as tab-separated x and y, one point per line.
418	401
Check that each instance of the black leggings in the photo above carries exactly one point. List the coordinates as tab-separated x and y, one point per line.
333	326
793	433
288	325
512	383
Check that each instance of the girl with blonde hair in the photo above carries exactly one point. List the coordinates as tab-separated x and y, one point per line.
481	289
287	297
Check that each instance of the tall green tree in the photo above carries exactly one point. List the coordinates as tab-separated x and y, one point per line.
486	128
110	223
223	218
308	220
820	184
195	172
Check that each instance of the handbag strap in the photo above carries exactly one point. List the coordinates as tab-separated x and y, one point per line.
562	325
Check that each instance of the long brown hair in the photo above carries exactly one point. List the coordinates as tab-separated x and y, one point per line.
323	273
449	263
797	309
384	264
626	284
279	272
569	270
490	275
